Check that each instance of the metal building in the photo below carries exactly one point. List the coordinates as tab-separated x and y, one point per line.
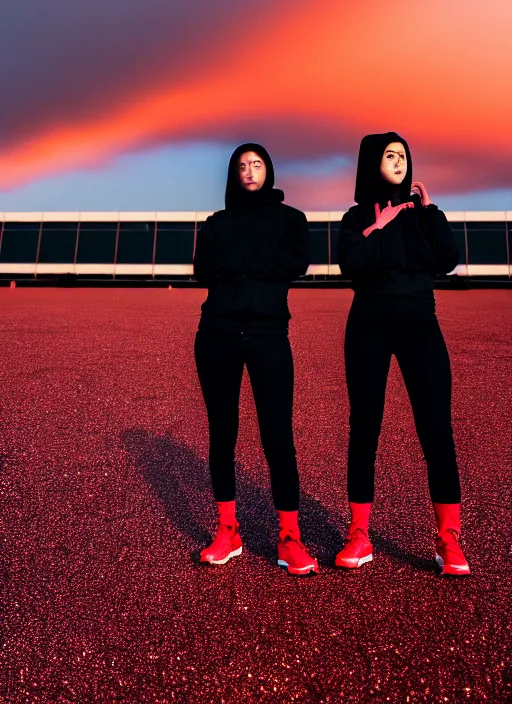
160	245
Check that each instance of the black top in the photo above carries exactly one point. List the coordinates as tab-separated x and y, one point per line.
393	269
248	254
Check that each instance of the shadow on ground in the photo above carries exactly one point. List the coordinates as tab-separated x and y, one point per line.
181	481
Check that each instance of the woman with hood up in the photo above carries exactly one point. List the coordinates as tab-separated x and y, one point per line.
391	245
247	255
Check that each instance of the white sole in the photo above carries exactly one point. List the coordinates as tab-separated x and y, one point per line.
462	572
297	570
364	560
360	562
233	553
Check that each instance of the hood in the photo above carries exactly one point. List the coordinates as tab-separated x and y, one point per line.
370	186
236	196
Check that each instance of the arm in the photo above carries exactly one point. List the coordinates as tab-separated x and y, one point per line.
291	258
445	254
209	265
440	239
378	246
358	253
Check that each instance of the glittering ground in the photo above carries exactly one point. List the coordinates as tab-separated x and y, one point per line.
105	502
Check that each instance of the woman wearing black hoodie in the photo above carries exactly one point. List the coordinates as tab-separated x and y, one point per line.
391	245
247	255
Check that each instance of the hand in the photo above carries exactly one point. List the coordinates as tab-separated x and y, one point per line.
420	189
386	215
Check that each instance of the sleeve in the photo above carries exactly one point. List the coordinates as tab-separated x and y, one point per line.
358	254
439	236
209	264
291	258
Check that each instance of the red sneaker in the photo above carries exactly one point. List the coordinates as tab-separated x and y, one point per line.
449	556
292	554
227	544
356	552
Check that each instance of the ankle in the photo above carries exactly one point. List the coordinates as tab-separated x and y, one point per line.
449	535
447	518
360	517
288	525
227	513
358	533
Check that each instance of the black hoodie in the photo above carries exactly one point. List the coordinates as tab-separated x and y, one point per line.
248	254
393	269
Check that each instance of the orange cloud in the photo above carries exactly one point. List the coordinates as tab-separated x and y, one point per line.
438	72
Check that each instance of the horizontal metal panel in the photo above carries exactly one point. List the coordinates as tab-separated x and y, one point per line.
137	217
61	217
317	216
483	216
14	268
47	268
323	270
99	217
23	217
176	216
318	270
488	270
201	215
176	269
460	270
90	269
188	269
455	215
136	269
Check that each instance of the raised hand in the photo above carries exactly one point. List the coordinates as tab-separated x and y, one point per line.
386	215
419	188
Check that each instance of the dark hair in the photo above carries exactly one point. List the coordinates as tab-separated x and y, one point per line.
236	195
371	188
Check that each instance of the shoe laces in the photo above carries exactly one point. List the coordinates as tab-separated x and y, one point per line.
224	529
450	535
450	543
356	534
290	539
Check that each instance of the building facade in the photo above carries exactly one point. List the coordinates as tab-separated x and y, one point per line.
160	245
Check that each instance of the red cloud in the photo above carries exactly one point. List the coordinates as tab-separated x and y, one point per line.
323	75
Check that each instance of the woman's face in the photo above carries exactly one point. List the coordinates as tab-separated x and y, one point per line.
393	166
252	171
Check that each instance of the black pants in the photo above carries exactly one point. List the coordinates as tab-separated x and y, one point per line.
419	347
220	358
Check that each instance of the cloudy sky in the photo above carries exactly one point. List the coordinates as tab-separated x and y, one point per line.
137	104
